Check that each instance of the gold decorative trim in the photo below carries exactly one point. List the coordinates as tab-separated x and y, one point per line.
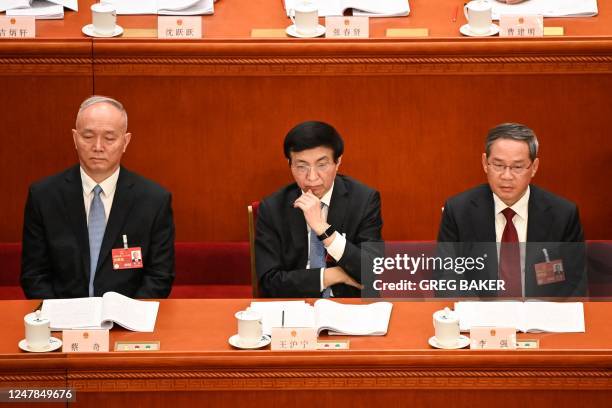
281	66
389	379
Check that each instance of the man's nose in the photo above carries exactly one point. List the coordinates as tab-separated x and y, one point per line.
507	174
312	173
98	143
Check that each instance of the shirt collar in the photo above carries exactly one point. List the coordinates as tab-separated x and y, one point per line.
326	199
109	185
521	207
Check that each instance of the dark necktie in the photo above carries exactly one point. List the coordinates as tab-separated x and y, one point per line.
510	257
317	255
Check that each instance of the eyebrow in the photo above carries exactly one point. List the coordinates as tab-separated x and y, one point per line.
316	161
500	161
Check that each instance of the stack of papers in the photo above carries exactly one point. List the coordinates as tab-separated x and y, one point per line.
40	9
101	313
337	318
548	8
533	317
163	7
366	8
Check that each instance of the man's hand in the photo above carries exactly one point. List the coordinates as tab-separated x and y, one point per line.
311	207
336	274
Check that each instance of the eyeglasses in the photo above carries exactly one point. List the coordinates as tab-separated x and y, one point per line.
303	169
516	170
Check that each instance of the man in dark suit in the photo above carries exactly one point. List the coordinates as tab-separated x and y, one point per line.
78	222
309	234
509	212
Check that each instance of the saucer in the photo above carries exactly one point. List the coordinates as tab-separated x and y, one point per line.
293	32
88	30
54	344
462	342
265	340
465	30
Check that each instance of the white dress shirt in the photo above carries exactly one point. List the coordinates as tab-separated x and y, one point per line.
521	208
109	186
336	248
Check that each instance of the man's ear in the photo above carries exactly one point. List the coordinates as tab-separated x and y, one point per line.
128	137
74	136
484	163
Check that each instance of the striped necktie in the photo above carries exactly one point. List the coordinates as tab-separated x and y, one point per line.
317	255
96	226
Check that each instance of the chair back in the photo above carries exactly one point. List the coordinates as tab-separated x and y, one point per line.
252	213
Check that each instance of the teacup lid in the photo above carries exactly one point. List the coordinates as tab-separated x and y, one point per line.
445	315
248	314
479	5
305	6
36	318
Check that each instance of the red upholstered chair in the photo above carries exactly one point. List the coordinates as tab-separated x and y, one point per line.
10	267
252	212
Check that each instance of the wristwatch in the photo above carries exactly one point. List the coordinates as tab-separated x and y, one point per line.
328	233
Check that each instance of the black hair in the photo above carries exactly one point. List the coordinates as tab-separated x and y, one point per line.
311	134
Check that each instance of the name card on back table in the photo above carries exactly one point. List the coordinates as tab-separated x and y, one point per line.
17	27
347	27
179	28
515	25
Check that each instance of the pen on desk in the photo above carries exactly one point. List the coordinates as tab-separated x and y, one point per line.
454	18
546	257
283	319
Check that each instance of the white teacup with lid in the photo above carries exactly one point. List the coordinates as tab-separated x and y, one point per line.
446	326
37	331
305	17
479	16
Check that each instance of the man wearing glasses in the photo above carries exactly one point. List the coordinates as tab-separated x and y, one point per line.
509	211
309	233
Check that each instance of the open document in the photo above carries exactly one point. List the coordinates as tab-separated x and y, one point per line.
41	10
554	317
548	8
101	312
337	318
14	4
163	7
366	8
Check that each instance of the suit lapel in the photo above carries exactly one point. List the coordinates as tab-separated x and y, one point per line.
484	216
338	205
297	226
122	204
538	223
72	196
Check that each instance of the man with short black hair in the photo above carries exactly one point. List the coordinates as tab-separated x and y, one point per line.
509	211
309	233
78	222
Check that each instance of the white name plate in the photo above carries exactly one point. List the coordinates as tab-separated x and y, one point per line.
84	341
493	338
347	27
179	28
12	27
294	338
514	25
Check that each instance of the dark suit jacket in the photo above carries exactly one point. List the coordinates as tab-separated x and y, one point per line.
553	224
281	244
55	259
